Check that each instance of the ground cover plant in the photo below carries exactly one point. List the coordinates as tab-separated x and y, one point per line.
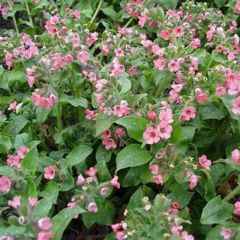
119	119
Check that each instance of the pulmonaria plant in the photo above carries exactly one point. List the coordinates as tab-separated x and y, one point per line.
113	104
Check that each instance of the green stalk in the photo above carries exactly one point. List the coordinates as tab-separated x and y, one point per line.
97	11
59	117
29	14
232	194
14	19
128	22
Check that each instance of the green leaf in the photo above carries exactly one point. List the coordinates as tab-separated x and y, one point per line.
218	57
169	3
76	102
42	114
62	220
135	126
110	12
220	3
216	211
103	122
181	196
103	174
50	195
7	171
125	83
210	111
77	155
104	215
102	154
5	143
30	161
132	156
16	125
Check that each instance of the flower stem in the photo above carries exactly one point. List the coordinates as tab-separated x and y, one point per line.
232	194
128	22
59	117
97	11
14	18
29	14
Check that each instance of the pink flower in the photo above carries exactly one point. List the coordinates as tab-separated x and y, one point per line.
5	184
45	235
76	14
22	152
154	168
236	106
188	114
152	116
195	43
186	236
165	34
119	52
104	191
236	156
92	207
114	182
204	162
83	57
116	227
119	132
91	172
13	161
33	202
173	66
142	19
201	97
104	50
12	106
165	115
80	180
159	63
151	135
236	210
164	129
220	91
49	172
120	235
45	223
8	60
226	233
158	179
92	38
109	143
90	114
176	230
178	31
193	180
15	202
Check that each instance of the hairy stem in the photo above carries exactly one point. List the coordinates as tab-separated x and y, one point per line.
29	14
232	194
59	117
97	11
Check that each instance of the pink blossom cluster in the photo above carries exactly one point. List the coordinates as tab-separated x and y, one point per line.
9	60
5	184
163	130
44	102
27	49
204	162
157	176
193	180
44	229
30	76
15	160
3	10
